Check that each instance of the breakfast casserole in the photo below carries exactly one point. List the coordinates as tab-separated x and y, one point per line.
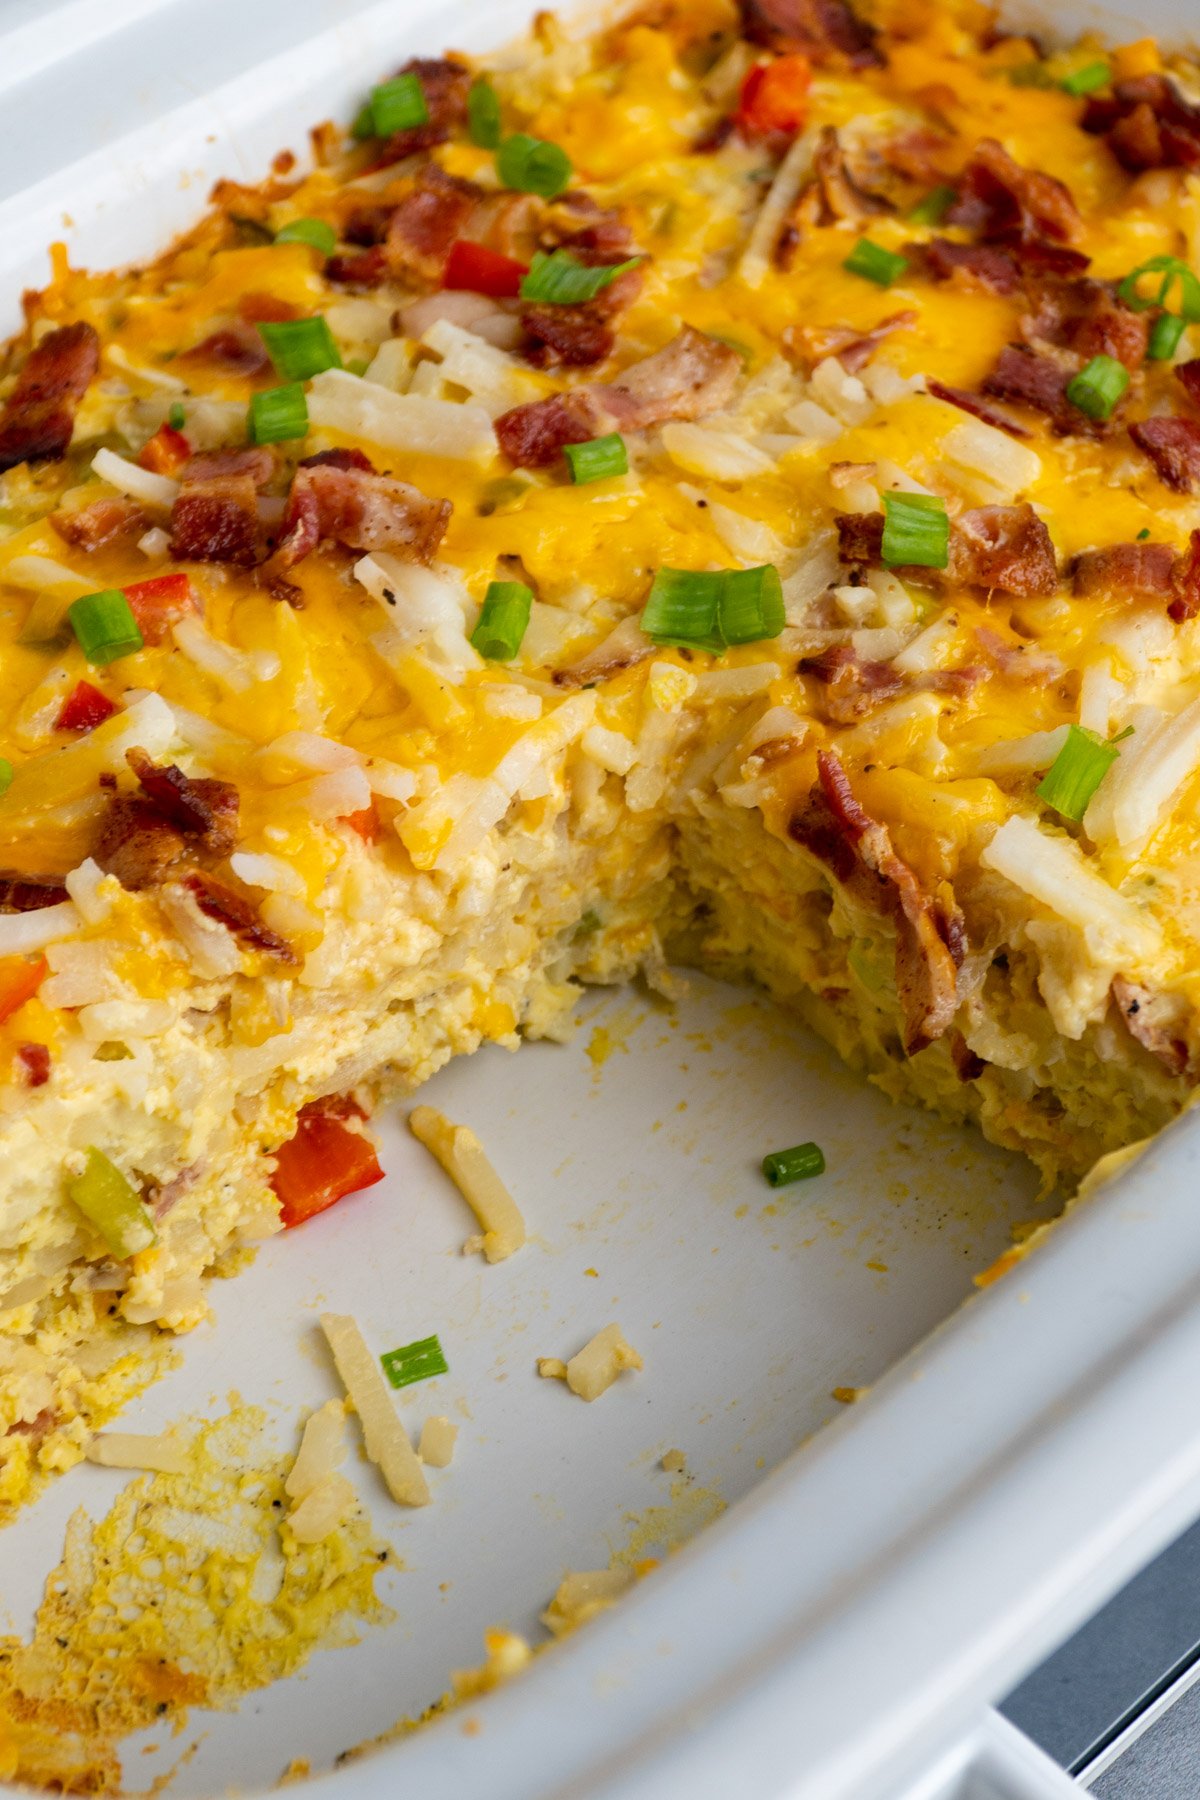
715	488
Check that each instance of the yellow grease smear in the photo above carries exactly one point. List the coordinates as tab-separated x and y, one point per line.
186	1594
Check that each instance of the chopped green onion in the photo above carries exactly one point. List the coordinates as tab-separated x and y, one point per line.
874	263
785	1166
176	417
483	115
503	621
533	166
278	414
104	1196
1165	334
6	774
1171	270
398	105
414	1362
1096	389
316	232
916	530
301	347
710	609
751	605
1143	534
105	626
1076	773
934	207
1086	80
563	280
597	458
364	122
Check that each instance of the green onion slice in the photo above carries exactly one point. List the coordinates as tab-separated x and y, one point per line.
398	105
503	620
751	605
1165	334
176	417
278	414
916	529
364	122
1093	75
710	609
415	1362
1077	772
934	207
1097	389
1171	270
317	232
799	1164
105	626
533	166
104	1196
874	263
483	115
597	458
6	774
564	281
301	347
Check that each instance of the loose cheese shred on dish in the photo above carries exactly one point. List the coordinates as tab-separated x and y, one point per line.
462	1156
582	1594
438	1437
594	1368
322	1499
505	1654
133	1450
384	1436
552	1368
674	1462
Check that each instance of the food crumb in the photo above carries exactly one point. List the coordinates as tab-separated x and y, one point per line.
674	1462
552	1368
848	1395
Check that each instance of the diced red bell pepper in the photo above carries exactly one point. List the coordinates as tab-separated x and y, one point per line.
366	823
84	708
35	1063
165	452
20	979
478	270
156	604
322	1163
774	97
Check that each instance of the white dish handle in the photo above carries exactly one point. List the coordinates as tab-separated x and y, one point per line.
994	1762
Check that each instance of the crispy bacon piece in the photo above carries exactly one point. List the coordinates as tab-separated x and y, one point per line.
215	515
853	686
1000	199
1086	318
987	266
1188	375
1120	571
1186	581
1147	124
39	414
566	336
445	85
425	225
254	461
238	349
1040	382
1003	548
690	376
338	495
137	844
967	1066
1156	1020
367	269
220	901
825	30
1006	549
857	849
977	406
35	1063
29	893
575	221
202	807
1173	446
841	196
853	349
99	522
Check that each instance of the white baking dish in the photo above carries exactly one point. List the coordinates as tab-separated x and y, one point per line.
842	1628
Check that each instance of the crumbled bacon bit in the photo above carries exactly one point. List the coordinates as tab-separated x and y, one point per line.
428	221
839	194
1003	548
1173	446
99	522
202	807
1186	581
445	85
835	829
1155	1020
136	843
1124	570
1188	375
977	406
853	349
1087	318
1147	124
338	496
986	266
692	375
532	436
219	901
825	30
1001	200
238	349
853	687
367	269
39	414
570	336
35	1063
29	893
1040	382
